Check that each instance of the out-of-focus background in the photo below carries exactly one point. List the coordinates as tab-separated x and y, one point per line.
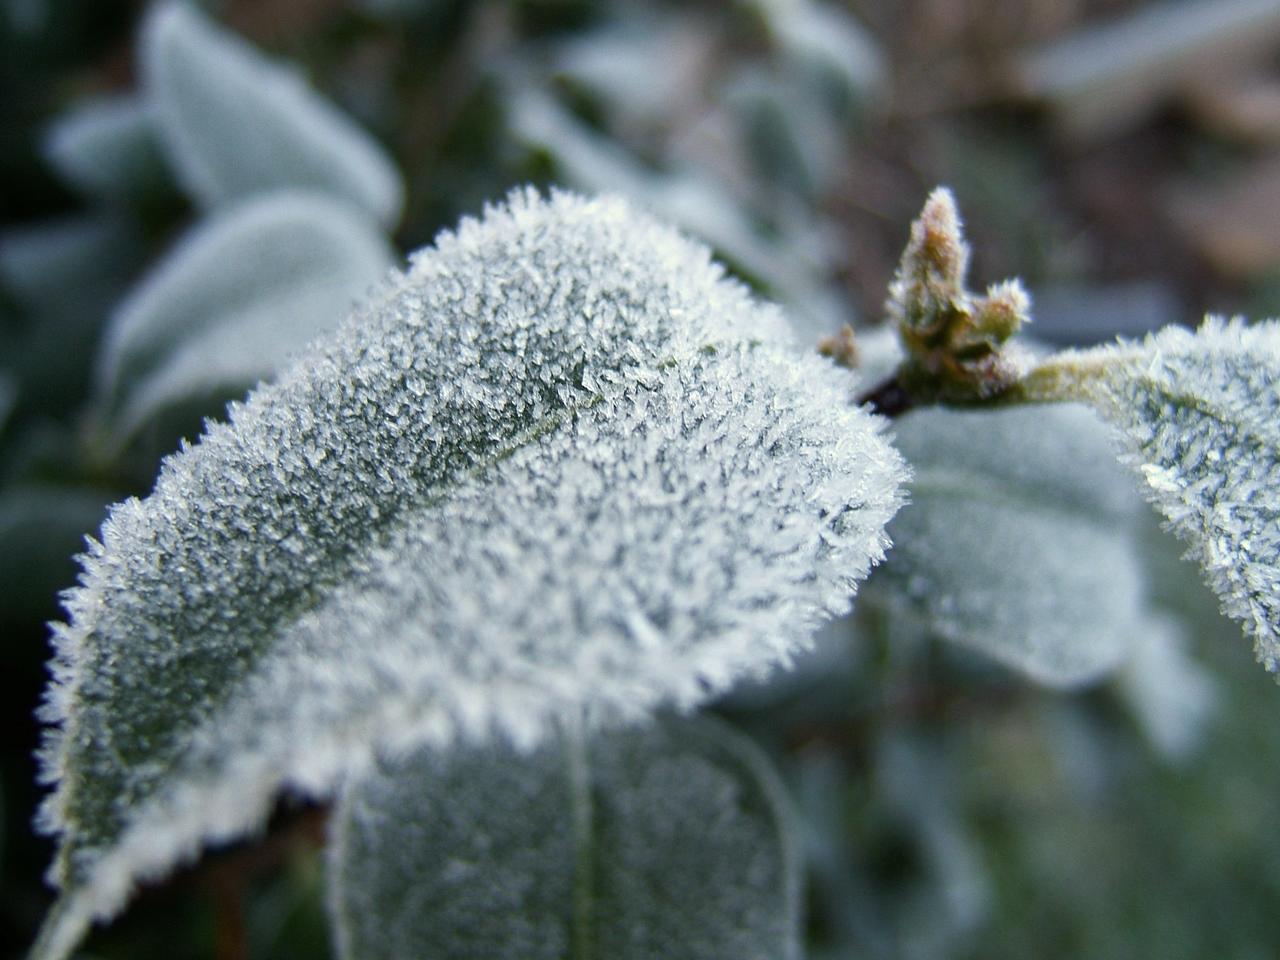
1122	157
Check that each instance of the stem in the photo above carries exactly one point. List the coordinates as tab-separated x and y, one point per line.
1063	378
889	398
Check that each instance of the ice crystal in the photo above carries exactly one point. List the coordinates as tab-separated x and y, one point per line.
563	462
243	291
235	123
1201	416
662	842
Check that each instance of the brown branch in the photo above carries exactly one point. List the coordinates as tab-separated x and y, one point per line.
888	398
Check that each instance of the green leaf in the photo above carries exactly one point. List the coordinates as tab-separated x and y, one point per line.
665	842
1200	416
236	123
1020	540
562	463
245	290
107	149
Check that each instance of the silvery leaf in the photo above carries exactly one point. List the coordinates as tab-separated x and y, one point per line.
1200	416
244	290
236	123
107	149
562	463
669	841
1020	540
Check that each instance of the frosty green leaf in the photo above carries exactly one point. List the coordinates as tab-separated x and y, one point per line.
236	123
107	149
1020	540
663	842
1200	415
561	463
242	292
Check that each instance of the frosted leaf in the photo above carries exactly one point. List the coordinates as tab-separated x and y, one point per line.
1020	540
236	123
562	463
665	842
828	36
107	149
687	198
1200	414
1172	696
243	291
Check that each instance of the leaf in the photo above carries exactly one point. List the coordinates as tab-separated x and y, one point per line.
563	462
242	292
1020	540
1172	697
665	842
1200	415
236	123
107	149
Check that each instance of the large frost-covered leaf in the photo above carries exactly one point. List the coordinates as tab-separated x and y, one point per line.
246	289
662	842
107	149
1020	540
1201	416
563	462
237	123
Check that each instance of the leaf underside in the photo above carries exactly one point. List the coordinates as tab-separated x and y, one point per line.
562	463
668	841
1020	540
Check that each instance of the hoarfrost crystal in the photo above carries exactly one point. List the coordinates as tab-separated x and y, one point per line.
561	464
1201	416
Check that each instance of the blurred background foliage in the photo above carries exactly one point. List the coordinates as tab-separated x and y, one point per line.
1122	157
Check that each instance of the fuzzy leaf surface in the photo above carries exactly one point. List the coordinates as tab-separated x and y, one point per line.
107	149
668	841
1200	414
561	463
1020	539
246	289
237	123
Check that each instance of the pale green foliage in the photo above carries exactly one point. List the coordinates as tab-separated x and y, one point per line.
224	309
1020	540
1200	414
669	842
235	123
107	148
561	463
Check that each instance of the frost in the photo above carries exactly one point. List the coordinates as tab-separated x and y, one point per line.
107	149
665	842
235	123
562	463
686	197
247	288
1200	413
1020	540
